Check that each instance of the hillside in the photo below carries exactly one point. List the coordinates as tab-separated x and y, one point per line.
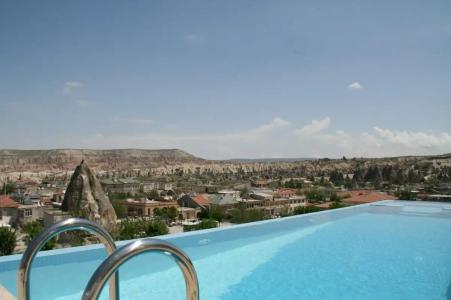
65	159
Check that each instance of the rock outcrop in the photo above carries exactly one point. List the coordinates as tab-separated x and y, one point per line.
85	198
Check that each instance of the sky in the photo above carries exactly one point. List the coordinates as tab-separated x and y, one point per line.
228	79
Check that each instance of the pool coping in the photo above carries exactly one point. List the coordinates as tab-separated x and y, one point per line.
17	257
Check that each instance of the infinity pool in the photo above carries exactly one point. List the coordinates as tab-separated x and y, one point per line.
386	250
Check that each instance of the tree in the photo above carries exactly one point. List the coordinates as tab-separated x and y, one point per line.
243	215
336	201
154	195
216	212
32	230
7	241
315	195
119	209
139	228
8	188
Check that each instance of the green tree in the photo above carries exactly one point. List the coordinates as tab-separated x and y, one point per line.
216	212
154	195
139	228
243	215
8	188
315	195
7	241
32	230
119	208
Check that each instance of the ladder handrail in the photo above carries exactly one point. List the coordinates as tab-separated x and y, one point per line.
23	280
121	255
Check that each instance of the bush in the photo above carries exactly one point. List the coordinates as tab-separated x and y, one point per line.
405	195
32	230
242	215
315	195
204	224
307	209
166	213
7	241
119	209
133	229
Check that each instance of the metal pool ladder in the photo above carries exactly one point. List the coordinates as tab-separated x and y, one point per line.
120	256
23	281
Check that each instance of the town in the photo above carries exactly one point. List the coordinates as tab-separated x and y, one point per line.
186	200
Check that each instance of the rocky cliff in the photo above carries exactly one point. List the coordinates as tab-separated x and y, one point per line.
85	198
64	159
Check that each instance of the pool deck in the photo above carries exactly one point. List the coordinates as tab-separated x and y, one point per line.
5	295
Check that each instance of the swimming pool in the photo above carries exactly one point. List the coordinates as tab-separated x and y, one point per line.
385	250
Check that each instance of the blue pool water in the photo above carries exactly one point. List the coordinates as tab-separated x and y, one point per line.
392	250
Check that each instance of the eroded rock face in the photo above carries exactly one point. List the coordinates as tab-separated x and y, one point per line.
85	198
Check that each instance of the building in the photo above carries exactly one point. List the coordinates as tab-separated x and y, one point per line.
29	213
276	206
285	193
145	207
188	213
51	216
194	201
148	187
121	185
8	211
227	200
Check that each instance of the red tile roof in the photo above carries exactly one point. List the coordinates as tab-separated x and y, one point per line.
365	196
201	200
6	202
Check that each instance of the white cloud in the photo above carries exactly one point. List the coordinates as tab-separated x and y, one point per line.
133	120
71	86
276	123
355	86
314	127
276	138
414	139
194	38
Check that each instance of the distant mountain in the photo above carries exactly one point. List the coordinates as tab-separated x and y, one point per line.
66	159
264	160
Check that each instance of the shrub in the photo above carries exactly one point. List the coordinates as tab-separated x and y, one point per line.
7	240
32	230
204	224
139	228
240	215
307	209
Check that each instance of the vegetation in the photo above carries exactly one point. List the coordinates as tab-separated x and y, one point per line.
8	188
293	184
306	209
169	214
315	195
243	215
215	212
32	230
139	228
204	224
336	201
7	240
405	195
119	208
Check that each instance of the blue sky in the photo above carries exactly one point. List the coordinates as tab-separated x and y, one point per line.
225	79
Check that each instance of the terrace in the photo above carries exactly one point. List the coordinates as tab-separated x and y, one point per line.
370	251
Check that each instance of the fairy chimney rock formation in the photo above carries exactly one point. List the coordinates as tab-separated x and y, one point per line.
85	198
